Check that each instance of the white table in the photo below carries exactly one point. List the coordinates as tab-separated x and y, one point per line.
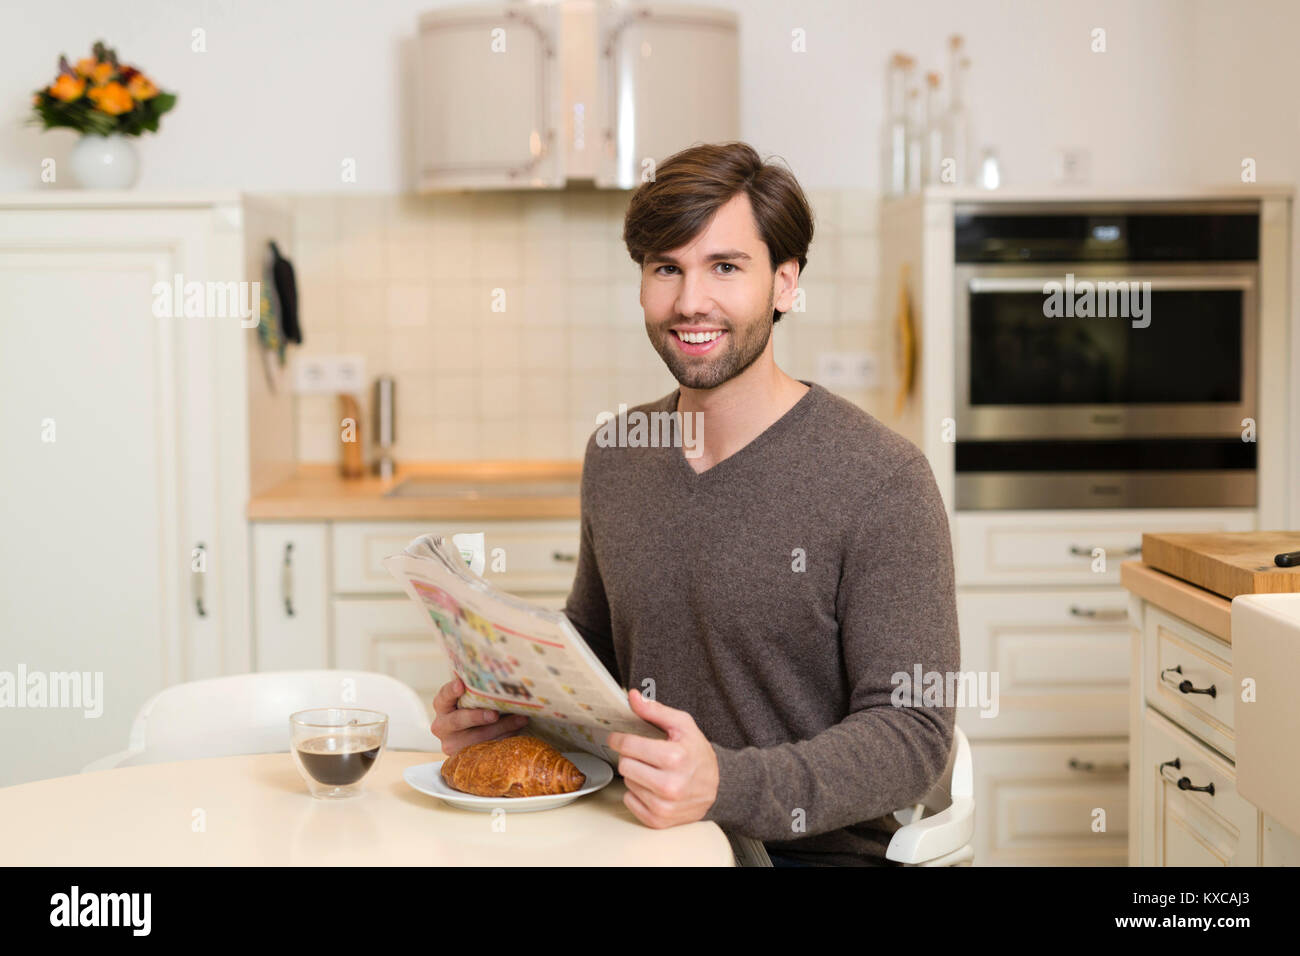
255	810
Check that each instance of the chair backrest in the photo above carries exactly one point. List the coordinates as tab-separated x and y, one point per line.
249	713
951	783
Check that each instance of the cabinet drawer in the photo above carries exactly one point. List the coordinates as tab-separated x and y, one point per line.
1063	803
1192	827
1179	661
1018	548
537	555
1060	660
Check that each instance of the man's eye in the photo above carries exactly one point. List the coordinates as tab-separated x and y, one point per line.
666	267
729	265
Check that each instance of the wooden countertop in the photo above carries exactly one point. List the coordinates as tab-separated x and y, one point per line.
320	493
1205	609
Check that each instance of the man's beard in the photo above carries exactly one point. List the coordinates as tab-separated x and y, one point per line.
738	352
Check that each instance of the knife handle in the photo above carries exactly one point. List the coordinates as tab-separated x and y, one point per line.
1290	559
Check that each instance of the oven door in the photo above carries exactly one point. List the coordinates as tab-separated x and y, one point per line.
1178	362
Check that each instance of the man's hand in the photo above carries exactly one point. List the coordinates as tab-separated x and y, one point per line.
457	729
669	782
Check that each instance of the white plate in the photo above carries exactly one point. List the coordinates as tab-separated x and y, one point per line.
427	778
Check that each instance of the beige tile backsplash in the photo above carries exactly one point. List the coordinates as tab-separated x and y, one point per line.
411	282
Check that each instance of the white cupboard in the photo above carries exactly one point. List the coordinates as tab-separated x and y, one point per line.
123	543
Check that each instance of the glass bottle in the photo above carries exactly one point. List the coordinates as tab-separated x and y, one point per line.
915	141
958	121
893	169
932	148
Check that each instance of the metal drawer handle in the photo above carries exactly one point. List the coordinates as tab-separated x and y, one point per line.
1185	686
286	579
1100	614
564	556
197	577
1079	552
1184	783
1087	766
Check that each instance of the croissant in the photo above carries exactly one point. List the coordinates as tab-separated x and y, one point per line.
512	767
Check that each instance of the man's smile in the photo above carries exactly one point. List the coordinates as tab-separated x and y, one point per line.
697	342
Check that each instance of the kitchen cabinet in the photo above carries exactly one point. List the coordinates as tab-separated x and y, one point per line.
349	612
1039	599
1038	604
291	595
576	90
1051	802
123	550
393	637
1184	804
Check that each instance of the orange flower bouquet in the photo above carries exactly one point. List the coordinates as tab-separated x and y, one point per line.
100	95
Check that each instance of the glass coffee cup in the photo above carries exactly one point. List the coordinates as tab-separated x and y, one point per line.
335	747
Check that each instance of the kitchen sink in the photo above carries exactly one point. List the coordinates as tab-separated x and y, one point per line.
433	488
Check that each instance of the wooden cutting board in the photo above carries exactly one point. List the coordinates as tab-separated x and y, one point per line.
1226	563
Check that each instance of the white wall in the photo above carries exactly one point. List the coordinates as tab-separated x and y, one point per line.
287	88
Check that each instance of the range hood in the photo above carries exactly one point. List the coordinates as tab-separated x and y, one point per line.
543	95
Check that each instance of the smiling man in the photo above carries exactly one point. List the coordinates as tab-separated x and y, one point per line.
767	590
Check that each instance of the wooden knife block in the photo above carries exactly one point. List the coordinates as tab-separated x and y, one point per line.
353	460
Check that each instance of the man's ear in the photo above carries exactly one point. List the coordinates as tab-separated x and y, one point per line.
786	281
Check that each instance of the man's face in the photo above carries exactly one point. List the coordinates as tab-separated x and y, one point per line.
719	287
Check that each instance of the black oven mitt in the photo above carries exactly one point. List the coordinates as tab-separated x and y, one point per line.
286	290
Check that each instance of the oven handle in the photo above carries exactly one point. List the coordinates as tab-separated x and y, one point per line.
1035	284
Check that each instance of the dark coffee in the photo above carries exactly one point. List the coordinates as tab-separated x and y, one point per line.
338	761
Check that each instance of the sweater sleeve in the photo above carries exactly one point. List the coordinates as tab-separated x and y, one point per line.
897	610
587	607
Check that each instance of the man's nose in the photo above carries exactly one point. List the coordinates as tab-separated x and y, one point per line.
693	297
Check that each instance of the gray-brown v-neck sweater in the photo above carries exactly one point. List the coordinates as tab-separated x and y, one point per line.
775	597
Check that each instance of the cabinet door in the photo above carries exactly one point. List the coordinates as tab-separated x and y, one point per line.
391	636
489	97
1192	827
669	78
100	571
291	596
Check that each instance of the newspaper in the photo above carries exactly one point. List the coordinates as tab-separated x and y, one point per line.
514	656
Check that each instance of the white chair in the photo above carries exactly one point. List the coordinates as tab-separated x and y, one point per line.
941	839
249	714
944	837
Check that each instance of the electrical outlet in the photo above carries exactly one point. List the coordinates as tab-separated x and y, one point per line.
311	375
848	370
329	374
1073	166
349	373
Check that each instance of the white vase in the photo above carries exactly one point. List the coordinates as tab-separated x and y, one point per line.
104	162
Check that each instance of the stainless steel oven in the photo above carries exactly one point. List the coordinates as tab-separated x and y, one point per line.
1106	356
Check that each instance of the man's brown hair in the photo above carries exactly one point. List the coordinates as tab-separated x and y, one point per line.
691	185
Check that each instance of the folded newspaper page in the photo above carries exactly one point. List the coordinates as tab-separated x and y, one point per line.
516	657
